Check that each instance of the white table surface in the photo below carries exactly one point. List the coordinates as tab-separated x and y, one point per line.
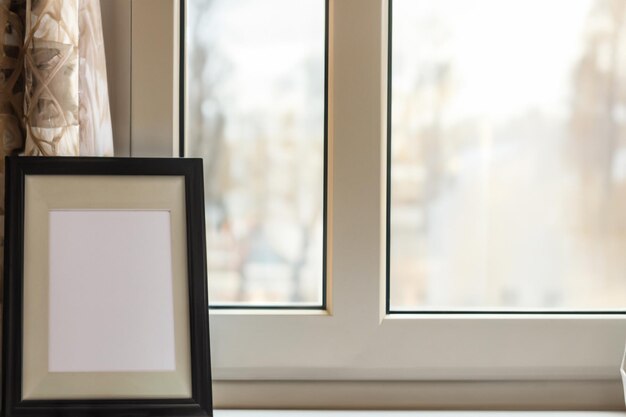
298	413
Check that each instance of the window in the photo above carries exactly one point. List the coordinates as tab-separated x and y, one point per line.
354	354
508	156
256	114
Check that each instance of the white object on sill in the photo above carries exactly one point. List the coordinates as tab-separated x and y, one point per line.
622	371
320	413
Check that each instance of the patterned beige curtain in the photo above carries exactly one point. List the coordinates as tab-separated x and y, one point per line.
66	100
53	82
51	74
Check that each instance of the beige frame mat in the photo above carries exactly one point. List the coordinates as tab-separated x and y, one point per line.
101	192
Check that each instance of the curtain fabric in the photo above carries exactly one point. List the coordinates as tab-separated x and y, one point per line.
53	82
66	100
51	75
96	135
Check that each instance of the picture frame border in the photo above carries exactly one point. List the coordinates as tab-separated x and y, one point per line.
16	170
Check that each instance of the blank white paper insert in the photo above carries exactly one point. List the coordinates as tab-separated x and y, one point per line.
110	291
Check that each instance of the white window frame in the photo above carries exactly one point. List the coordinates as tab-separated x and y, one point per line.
354	355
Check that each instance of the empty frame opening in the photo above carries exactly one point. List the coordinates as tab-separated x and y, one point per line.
111	296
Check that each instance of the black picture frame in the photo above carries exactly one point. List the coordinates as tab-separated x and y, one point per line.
17	169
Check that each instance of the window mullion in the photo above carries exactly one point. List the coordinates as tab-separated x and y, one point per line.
357	159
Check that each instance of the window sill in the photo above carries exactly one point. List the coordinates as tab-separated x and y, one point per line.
530	395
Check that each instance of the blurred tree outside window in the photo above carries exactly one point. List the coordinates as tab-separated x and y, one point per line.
255	88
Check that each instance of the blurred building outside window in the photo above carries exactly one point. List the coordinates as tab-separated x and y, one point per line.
508	173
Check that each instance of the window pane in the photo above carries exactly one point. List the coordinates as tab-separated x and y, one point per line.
508	147
255	94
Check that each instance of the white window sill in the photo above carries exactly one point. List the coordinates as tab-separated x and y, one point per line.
312	413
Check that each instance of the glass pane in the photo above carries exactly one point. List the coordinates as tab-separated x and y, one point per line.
508	177
255	108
